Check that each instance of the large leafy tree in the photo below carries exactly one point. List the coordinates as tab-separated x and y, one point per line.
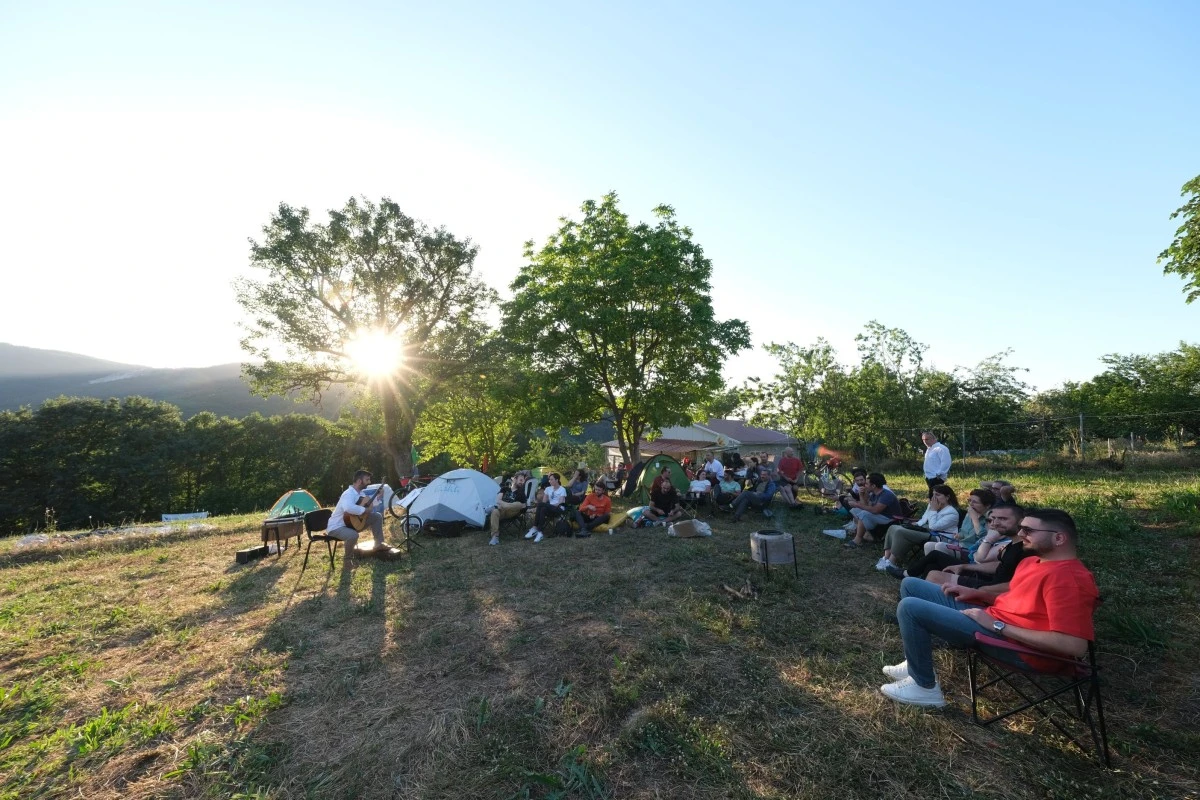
369	274
1182	258
618	319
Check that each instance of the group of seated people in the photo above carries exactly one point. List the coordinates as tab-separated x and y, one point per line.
1008	573
589	509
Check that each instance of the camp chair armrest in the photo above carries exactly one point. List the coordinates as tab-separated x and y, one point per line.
1007	644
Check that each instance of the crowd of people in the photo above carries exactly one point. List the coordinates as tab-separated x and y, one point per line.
988	567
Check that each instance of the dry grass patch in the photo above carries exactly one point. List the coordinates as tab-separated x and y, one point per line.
607	667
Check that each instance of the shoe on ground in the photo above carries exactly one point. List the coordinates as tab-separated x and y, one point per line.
768	513
895	572
495	540
582	534
907	691
897	672
850	544
532	531
882	564
736	519
849	526
538	537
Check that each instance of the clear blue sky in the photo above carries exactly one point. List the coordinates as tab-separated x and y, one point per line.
985	177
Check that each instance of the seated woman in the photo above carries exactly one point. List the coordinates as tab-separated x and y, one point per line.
664	499
578	488
973	528
939	555
727	490
939	522
789	470
552	506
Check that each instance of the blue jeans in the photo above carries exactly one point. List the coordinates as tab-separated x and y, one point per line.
924	612
871	521
747	499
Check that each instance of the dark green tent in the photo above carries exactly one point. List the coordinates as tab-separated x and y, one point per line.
654	467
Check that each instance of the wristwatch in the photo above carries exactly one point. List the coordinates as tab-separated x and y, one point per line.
998	626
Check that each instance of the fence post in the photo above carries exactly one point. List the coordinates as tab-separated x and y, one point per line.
964	441
1081	436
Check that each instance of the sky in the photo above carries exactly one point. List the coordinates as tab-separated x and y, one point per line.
986	177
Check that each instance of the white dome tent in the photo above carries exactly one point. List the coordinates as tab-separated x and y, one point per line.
461	495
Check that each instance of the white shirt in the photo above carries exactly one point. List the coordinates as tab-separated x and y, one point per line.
347	503
556	497
715	467
944	521
937	461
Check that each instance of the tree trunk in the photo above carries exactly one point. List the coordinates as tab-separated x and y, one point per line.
397	434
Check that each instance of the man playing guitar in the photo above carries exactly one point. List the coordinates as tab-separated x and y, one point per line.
353	513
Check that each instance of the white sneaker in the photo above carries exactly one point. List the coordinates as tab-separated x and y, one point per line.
532	531
850	526
897	672
538	538
882	564
908	692
494	541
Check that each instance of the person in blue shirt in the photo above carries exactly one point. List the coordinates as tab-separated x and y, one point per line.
878	509
759	496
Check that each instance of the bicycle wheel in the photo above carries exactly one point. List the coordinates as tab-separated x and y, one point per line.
833	484
812	481
394	509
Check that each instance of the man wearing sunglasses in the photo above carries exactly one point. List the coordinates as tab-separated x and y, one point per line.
1048	606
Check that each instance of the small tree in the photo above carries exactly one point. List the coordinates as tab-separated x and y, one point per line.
370	275
1182	258
619	321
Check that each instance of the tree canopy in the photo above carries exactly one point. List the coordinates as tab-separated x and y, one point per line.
618	321
370	274
1182	258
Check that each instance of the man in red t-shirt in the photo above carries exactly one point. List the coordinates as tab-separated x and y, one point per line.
594	511
790	468
1048	606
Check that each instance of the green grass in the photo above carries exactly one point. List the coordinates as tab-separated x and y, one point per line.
611	667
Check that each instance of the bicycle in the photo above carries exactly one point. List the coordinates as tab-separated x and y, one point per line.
824	478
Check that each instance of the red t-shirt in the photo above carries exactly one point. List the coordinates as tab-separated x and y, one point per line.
789	468
1057	596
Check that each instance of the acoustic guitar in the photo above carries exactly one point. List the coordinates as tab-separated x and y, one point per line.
359	522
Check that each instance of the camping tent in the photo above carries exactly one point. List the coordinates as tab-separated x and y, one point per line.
656	465
292	503
461	495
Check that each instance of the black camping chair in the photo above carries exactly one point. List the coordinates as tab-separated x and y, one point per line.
315	525
1041	690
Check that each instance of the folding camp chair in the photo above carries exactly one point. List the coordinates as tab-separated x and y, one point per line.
1039	688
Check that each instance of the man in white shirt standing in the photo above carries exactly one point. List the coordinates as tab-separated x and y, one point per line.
353	502
937	460
714	467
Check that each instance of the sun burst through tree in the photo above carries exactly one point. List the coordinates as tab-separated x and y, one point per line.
376	354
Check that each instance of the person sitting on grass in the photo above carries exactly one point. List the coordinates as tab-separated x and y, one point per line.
1048	606
757	497
1002	523
578	488
879	508
996	559
858	484
940	521
790	470
594	511
510	503
550	508
664	499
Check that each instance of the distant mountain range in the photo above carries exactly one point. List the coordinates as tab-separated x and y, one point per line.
29	376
